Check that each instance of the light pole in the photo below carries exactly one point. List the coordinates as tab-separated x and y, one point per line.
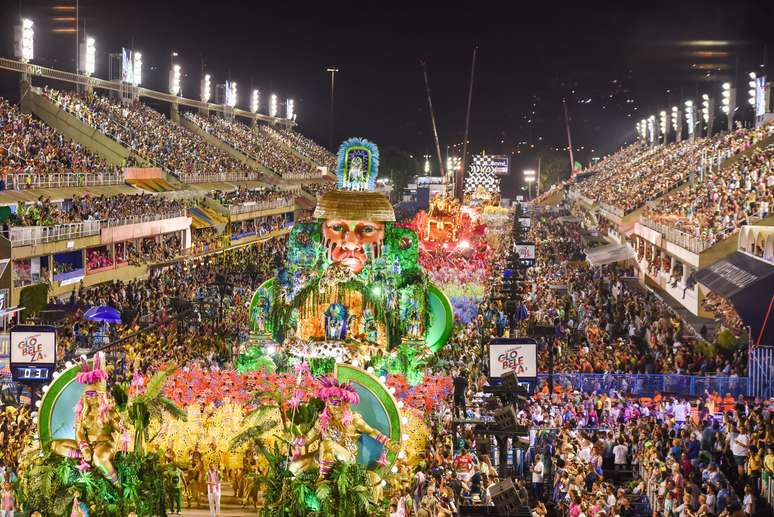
529	177
331	70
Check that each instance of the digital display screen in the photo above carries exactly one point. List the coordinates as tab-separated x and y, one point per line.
31	373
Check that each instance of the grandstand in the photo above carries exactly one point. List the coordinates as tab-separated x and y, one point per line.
680	206
96	189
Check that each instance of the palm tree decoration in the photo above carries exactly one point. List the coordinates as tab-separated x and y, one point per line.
147	402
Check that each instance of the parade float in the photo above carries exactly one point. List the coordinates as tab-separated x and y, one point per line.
350	306
90	455
352	288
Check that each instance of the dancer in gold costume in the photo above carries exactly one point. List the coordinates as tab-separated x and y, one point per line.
96	419
336	432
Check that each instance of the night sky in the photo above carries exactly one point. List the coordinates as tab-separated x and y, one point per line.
613	62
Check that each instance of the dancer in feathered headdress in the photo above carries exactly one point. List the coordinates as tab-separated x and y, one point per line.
95	421
337	430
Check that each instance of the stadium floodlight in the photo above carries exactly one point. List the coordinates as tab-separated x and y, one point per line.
289	109
273	105
705	107
24	40
206	88
232	99
651	129
529	175
751	91
174	80
689	116
89	55
662	124
726	94
137	68
255	100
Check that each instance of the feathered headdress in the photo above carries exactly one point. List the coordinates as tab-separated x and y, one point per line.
357	165
95	374
331	388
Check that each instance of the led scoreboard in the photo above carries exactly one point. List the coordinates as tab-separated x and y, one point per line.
33	353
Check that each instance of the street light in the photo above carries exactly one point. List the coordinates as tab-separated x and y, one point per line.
289	109
174	80
89	55
273	105
24	35
255	100
206	88
137	69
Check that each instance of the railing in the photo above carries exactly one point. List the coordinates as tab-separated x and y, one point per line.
302	176
138	219
649	384
21	181
244	208
619	212
32	235
675	236
223	176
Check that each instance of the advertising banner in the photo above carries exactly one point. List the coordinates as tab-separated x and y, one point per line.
514	354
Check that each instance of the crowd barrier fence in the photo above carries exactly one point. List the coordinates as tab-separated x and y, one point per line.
649	384
28	181
684	240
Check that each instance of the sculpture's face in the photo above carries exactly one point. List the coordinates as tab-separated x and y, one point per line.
348	242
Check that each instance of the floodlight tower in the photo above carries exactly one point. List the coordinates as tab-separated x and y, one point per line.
205	92
708	113
728	103
290	112
651	127
273	106
255	103
690	120
529	178
663	126
23	49
677	123
174	89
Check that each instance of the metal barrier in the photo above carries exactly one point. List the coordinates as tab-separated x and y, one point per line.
222	176
137	219
619	212
761	371
245	208
22	181
649	384
32	235
675	236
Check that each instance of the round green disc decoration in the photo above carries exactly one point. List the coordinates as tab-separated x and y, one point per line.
56	419
441	318
377	407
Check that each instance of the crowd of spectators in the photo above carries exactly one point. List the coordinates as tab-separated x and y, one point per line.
256	144
319	188
607	324
637	174
29	146
152	300
304	146
44	212
726	197
258	195
146	132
